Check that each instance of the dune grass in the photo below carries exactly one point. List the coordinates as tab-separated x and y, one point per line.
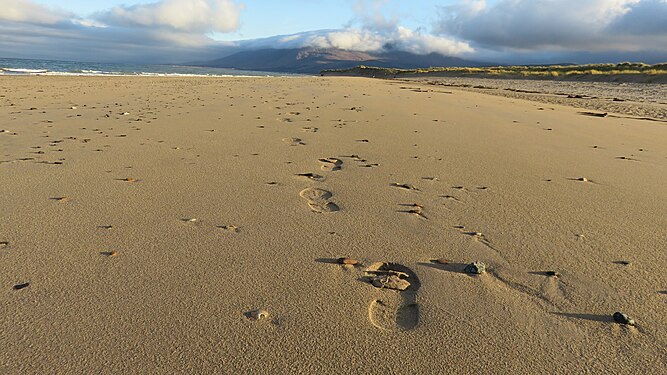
547	71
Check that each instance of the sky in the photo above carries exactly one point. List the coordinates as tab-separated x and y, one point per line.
173	31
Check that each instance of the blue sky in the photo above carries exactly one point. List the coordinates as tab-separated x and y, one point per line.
263	18
504	31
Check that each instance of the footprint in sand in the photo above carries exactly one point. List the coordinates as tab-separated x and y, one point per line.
311	176
414	209
331	164
294	141
128	179
582	179
318	200
397	308
404	186
481	238
451	198
230	228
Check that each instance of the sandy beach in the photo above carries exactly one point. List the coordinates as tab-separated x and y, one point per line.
195	225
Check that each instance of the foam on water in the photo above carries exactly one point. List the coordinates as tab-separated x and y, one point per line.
70	68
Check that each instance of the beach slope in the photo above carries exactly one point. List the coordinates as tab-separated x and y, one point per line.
196	225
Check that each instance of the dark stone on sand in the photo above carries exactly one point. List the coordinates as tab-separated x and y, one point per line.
622	318
475	268
21	286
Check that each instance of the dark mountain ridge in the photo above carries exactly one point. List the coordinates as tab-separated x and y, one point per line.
314	60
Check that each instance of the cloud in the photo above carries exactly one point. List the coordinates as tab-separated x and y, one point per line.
164	31
90	43
370	15
557	25
515	31
647	17
30	12
372	30
352	40
191	16
416	42
401	38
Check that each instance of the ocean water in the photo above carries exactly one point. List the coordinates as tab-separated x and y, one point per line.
9	66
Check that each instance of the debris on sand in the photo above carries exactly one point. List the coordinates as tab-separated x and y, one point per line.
622	318
475	268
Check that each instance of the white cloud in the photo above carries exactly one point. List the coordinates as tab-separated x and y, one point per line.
557	25
371	16
352	40
167	31
416	42
372	30
195	16
89	23
30	12
363	40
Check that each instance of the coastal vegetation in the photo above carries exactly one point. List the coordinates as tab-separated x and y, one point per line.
517	71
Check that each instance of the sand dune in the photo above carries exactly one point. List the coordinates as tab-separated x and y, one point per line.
161	225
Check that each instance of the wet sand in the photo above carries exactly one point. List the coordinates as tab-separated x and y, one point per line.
197	224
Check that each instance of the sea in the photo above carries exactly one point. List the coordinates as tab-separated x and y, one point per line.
11	66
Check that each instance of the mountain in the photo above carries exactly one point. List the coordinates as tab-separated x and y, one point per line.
314	60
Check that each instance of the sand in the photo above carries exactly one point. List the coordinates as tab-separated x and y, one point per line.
638	100
194	225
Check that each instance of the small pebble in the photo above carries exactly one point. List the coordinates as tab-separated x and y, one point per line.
348	261
622	318
230	228
21	286
258	314
476	268
582	179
